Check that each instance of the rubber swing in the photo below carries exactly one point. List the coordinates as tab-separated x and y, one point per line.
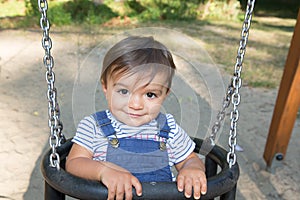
59	183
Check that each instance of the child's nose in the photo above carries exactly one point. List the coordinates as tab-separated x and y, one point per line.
136	102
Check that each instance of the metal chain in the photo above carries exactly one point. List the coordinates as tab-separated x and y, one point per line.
221	114
56	137
237	83
233	95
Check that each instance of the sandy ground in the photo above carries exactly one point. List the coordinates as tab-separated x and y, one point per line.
23	116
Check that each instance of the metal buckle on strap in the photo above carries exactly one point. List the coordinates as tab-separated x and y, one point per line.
114	142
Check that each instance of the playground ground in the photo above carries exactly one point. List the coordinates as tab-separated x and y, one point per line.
24	130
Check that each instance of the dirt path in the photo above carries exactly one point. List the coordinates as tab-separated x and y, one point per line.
23	117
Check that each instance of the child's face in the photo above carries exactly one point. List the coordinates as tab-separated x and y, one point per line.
133	100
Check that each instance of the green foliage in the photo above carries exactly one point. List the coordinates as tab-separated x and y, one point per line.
87	11
135	7
67	12
178	10
32	8
163	9
213	9
58	16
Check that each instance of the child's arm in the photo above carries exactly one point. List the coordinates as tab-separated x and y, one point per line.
118	181
191	175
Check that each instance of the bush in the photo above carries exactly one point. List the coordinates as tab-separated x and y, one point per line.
183	10
32	8
87	11
163	9
58	16
178	10
77	11
220	10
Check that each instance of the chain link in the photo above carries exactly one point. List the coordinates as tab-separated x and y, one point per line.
233	96
56	137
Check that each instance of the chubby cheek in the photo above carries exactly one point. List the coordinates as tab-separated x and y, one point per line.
117	102
154	108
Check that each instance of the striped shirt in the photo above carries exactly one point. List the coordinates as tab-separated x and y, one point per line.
89	135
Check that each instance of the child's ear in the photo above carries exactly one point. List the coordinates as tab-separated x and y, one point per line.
168	91
104	88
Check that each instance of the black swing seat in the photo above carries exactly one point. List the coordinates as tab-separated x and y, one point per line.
59	183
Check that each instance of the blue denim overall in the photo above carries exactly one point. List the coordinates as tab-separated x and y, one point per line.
147	160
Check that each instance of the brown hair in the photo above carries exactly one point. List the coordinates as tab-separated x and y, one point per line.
136	55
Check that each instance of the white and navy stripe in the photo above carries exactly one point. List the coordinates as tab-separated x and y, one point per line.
88	135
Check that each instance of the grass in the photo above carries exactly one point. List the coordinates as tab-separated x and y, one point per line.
267	48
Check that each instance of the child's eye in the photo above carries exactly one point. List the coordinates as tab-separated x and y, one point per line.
123	91
151	95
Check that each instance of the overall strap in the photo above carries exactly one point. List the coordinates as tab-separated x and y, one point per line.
104	123
163	126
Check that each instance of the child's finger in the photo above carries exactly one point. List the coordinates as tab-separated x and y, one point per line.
128	191
188	186
203	186
120	191
180	180
137	185
111	192
196	188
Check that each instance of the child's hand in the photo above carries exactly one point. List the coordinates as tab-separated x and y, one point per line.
191	177
119	182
